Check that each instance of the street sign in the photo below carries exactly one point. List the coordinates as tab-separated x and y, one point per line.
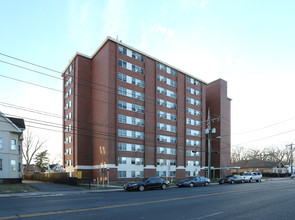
79	174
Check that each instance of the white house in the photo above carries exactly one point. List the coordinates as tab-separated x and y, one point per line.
11	137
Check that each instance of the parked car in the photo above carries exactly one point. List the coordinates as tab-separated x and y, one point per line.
232	179
147	183
247	177
256	176
194	181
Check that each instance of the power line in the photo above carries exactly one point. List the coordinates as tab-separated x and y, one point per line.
30	63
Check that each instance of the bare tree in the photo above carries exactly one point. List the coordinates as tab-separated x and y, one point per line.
31	145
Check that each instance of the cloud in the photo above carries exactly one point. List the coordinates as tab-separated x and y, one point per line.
163	30
203	4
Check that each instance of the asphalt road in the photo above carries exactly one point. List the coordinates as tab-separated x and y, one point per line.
265	200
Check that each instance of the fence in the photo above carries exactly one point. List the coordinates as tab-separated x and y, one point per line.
48	177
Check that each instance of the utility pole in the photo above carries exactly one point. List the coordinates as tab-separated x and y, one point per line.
291	157
209	144
209	131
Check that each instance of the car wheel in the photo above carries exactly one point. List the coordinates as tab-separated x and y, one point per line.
163	186
232	182
206	184
191	185
221	182
250	180
243	181
260	180
141	188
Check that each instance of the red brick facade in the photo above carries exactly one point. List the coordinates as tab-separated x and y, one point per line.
100	139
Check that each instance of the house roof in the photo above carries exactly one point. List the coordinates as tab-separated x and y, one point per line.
19	122
255	163
19	130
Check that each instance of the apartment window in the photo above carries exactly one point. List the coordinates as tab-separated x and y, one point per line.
69	128
69	92
193	81
13	165
13	144
69	116
69	104
130	66
71	67
166	127
166	80
166	92
121	174
19	167
163	162
166	115
193	112
130	147
69	81
137	161
130	107
193	142
172	173
131	53
130	93
122	160
1	146
193	101
161	173
19	149
130	134
137	174
193	91
192	163
130	120
190	121
167	139
130	80
166	104
0	164
193	132
193	153
166	69
68	139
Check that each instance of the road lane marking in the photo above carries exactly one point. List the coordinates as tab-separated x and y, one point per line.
134	204
207	216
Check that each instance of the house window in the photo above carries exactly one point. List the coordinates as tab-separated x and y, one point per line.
0	164
13	144
13	165
19	167
121	174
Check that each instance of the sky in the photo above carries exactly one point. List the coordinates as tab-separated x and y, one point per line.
248	43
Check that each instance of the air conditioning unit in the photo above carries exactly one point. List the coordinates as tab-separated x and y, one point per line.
162	80
162	92
138	110
162	104
138	84
138	137
162	152
138	97
138	163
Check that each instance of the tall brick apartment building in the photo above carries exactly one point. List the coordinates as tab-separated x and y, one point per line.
135	116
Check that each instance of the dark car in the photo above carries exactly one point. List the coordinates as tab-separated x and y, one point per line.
194	181
147	183
232	179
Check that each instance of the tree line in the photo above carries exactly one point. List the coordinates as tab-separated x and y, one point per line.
270	154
